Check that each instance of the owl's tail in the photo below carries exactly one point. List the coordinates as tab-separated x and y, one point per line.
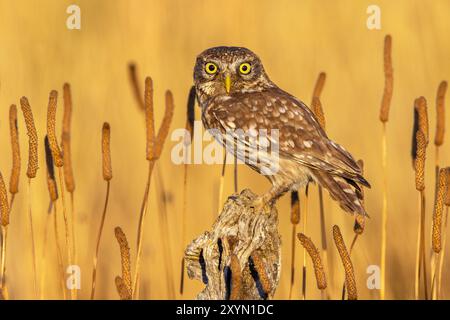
345	191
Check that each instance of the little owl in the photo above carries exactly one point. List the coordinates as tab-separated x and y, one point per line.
234	92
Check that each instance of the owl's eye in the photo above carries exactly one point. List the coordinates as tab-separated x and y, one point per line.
211	68
245	68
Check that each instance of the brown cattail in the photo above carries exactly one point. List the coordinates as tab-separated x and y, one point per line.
149	118
51	129
419	164
258	263
440	114
318	111
32	138
315	257
295	208
4	204
350	282
447	194
106	152
190	114
15	173
236	278
388	80
319	85
360	223
420	104
165	125
51	181
122	289
65	139
135	85
125	257
438	209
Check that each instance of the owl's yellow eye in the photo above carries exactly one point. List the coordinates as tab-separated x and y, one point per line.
210	68
245	68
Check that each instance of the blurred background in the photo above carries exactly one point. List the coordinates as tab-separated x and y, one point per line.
296	40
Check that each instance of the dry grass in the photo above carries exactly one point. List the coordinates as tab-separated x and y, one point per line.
354	85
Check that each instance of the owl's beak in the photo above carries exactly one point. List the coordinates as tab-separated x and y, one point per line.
227	83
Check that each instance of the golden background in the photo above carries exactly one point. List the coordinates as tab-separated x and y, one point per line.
295	40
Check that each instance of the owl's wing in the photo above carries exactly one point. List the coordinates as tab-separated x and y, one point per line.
300	136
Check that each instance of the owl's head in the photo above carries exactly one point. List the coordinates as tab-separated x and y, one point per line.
228	70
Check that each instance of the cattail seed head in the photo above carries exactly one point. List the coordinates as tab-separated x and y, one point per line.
106	152
65	139
440	114
419	164
51	129
315	257
15	173
320	83
388	80
149	118
122	289
318	111
51	181
360	223
350	282
420	104
165	125
295	208
4	204
132	72
32	138
125	257
438	209
447	194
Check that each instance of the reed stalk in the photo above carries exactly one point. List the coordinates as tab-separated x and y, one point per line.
295	219
384	116
31	173
155	145
107	176
67	159
190	118
305	219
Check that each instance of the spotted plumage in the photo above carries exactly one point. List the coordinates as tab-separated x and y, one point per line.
236	95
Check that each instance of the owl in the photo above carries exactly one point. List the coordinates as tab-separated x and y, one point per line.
234	92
